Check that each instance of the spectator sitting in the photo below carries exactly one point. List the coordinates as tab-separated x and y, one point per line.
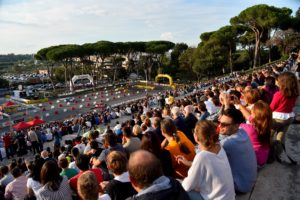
178	120
130	143
120	187
17	188
190	122
53	185
259	129
88	187
110	144
156	126
147	179
210	165
6	176
66	171
75	153
151	142
177	144
137	131
82	163
203	111
34	179
239	150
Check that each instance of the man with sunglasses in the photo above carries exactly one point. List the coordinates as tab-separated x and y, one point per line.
239	150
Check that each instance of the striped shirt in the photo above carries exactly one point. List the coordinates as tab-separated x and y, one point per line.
63	192
16	189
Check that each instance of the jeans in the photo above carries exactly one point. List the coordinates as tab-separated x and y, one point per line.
195	195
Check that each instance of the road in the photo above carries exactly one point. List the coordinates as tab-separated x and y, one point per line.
58	109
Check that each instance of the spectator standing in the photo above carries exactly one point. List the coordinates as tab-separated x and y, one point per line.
33	138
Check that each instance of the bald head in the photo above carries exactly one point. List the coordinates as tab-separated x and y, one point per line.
144	168
188	109
175	111
44	154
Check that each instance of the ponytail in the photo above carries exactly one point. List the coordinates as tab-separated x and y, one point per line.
182	147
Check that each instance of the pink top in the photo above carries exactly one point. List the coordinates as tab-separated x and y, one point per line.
282	104
261	150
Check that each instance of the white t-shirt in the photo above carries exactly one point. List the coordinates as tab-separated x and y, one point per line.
34	185
74	166
210	174
80	147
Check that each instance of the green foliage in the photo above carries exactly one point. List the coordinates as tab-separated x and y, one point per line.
59	74
4	83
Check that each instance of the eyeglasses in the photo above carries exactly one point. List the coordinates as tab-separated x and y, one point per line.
222	124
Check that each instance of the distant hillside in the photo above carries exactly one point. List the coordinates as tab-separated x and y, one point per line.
11	59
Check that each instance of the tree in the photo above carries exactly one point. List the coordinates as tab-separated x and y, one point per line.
67	55
102	50
42	56
227	37
155	52
4	83
261	19
178	49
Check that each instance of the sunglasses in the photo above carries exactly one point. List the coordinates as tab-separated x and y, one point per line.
222	124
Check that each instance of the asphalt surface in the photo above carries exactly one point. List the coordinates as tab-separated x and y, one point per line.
59	109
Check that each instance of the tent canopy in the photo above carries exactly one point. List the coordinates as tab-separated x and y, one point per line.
35	122
21	125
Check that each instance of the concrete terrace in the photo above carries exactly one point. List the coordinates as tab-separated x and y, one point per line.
278	181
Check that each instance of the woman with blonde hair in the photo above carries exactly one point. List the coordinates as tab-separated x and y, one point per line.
137	131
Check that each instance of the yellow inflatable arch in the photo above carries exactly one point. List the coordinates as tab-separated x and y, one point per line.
171	84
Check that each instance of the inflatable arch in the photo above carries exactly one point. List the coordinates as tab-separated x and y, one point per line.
78	77
171	84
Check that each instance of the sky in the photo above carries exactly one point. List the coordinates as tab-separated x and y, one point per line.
29	25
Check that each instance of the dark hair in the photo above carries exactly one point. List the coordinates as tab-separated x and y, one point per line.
202	106
110	138
36	169
127	132
206	133
145	169
235	93
169	128
82	162
236	115
16	172
94	144
151	142
63	163
75	152
4	170
147	122
50	175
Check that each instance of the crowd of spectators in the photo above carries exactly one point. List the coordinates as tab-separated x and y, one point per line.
209	144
